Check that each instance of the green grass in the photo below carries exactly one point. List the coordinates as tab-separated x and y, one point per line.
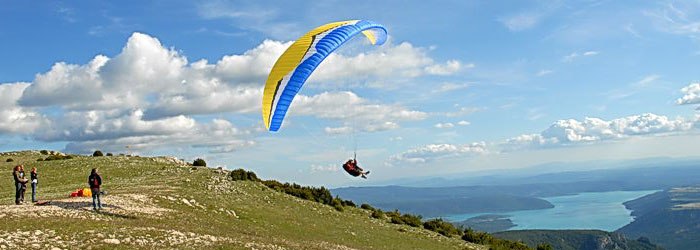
265	218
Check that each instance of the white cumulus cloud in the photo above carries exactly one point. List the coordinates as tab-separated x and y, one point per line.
445	125
691	95
431	152
15	119
590	130
464	123
362	114
149	96
326	168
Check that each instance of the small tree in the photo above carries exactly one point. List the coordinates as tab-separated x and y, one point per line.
199	162
97	153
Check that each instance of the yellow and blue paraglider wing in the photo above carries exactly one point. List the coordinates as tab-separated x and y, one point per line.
300	60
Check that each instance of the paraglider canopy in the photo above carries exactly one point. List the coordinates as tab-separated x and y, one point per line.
298	62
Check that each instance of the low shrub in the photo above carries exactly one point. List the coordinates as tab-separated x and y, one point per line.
395	217
442	227
472	236
377	214
545	246
40	159
349	203
97	153
199	162
321	195
408	219
337	203
110	154
242	175
412	220
366	206
58	157
9	160
499	244
483	238
44	152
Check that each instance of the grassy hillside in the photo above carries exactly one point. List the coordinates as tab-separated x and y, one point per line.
671	218
577	239
161	203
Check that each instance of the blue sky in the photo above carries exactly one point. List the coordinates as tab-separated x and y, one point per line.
461	86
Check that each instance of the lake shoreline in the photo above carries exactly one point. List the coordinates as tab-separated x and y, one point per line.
586	210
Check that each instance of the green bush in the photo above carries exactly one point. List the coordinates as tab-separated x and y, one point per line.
366	206
199	162
412	220
442	227
44	152
337	203
378	214
472	236
40	159
320	195
349	203
499	244
483	238
408	219
395	217
110	154
545	246
9	160
397	220
58	157
97	153
242	175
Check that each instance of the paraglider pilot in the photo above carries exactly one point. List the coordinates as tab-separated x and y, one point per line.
353	169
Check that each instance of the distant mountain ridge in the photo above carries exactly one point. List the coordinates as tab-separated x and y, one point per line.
671	218
577	239
562	171
687	172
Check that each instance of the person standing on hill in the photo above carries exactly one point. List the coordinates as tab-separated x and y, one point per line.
95	182
23	184
35	182
19	180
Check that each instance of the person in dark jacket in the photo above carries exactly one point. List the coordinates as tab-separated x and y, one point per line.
18	183
23	184
35	182
353	169
95	182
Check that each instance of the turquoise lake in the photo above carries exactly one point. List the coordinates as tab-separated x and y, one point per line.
594	210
